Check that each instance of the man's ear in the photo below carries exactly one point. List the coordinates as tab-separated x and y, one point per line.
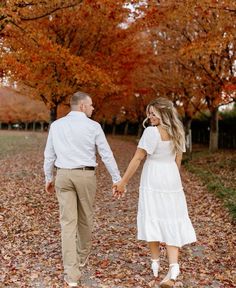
81	107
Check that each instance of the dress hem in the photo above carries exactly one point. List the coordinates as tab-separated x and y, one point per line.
167	242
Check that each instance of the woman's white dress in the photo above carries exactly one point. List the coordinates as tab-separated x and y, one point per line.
162	209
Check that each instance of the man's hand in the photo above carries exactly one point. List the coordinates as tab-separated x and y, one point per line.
50	187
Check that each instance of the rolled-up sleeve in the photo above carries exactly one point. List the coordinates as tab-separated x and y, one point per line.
149	140
49	158
106	154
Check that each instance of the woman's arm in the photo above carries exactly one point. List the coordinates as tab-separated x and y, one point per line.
178	159
132	167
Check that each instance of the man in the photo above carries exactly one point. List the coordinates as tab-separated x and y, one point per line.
71	147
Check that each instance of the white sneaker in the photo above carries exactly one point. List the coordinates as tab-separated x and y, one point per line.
155	266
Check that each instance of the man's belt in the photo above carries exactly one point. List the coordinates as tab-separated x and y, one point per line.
85	168
81	168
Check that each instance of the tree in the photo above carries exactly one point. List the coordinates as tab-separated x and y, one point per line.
50	71
46	59
194	41
213	55
18	108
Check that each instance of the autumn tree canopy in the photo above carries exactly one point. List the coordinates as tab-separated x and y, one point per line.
123	52
194	45
15	107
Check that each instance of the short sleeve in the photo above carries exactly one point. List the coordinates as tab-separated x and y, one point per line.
149	140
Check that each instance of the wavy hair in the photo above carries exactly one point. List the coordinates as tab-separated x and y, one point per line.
164	109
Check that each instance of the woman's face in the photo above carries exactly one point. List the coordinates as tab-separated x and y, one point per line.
152	117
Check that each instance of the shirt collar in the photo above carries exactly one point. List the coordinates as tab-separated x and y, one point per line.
77	113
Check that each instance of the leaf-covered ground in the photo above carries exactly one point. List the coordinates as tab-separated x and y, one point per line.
217	171
30	231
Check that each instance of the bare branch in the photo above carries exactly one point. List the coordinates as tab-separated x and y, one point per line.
49	12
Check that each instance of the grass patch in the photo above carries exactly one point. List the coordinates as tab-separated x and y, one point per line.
217	171
13	142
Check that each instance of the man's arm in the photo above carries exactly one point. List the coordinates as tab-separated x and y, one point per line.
106	154
49	159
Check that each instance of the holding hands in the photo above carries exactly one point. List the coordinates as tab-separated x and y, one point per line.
119	189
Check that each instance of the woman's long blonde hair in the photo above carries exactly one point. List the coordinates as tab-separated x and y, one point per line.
164	109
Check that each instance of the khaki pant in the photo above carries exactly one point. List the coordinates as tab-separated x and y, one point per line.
76	193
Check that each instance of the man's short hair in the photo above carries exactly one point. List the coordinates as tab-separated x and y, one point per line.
77	97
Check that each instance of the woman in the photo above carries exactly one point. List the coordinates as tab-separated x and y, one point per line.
162	209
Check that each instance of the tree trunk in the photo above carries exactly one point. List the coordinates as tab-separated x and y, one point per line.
214	129
26	126
0	125
140	129
188	134
114	129
41	125
126	128
34	126
53	114
103	124
9	126
114	126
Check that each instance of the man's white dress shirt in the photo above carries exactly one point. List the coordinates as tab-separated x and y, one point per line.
72	143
